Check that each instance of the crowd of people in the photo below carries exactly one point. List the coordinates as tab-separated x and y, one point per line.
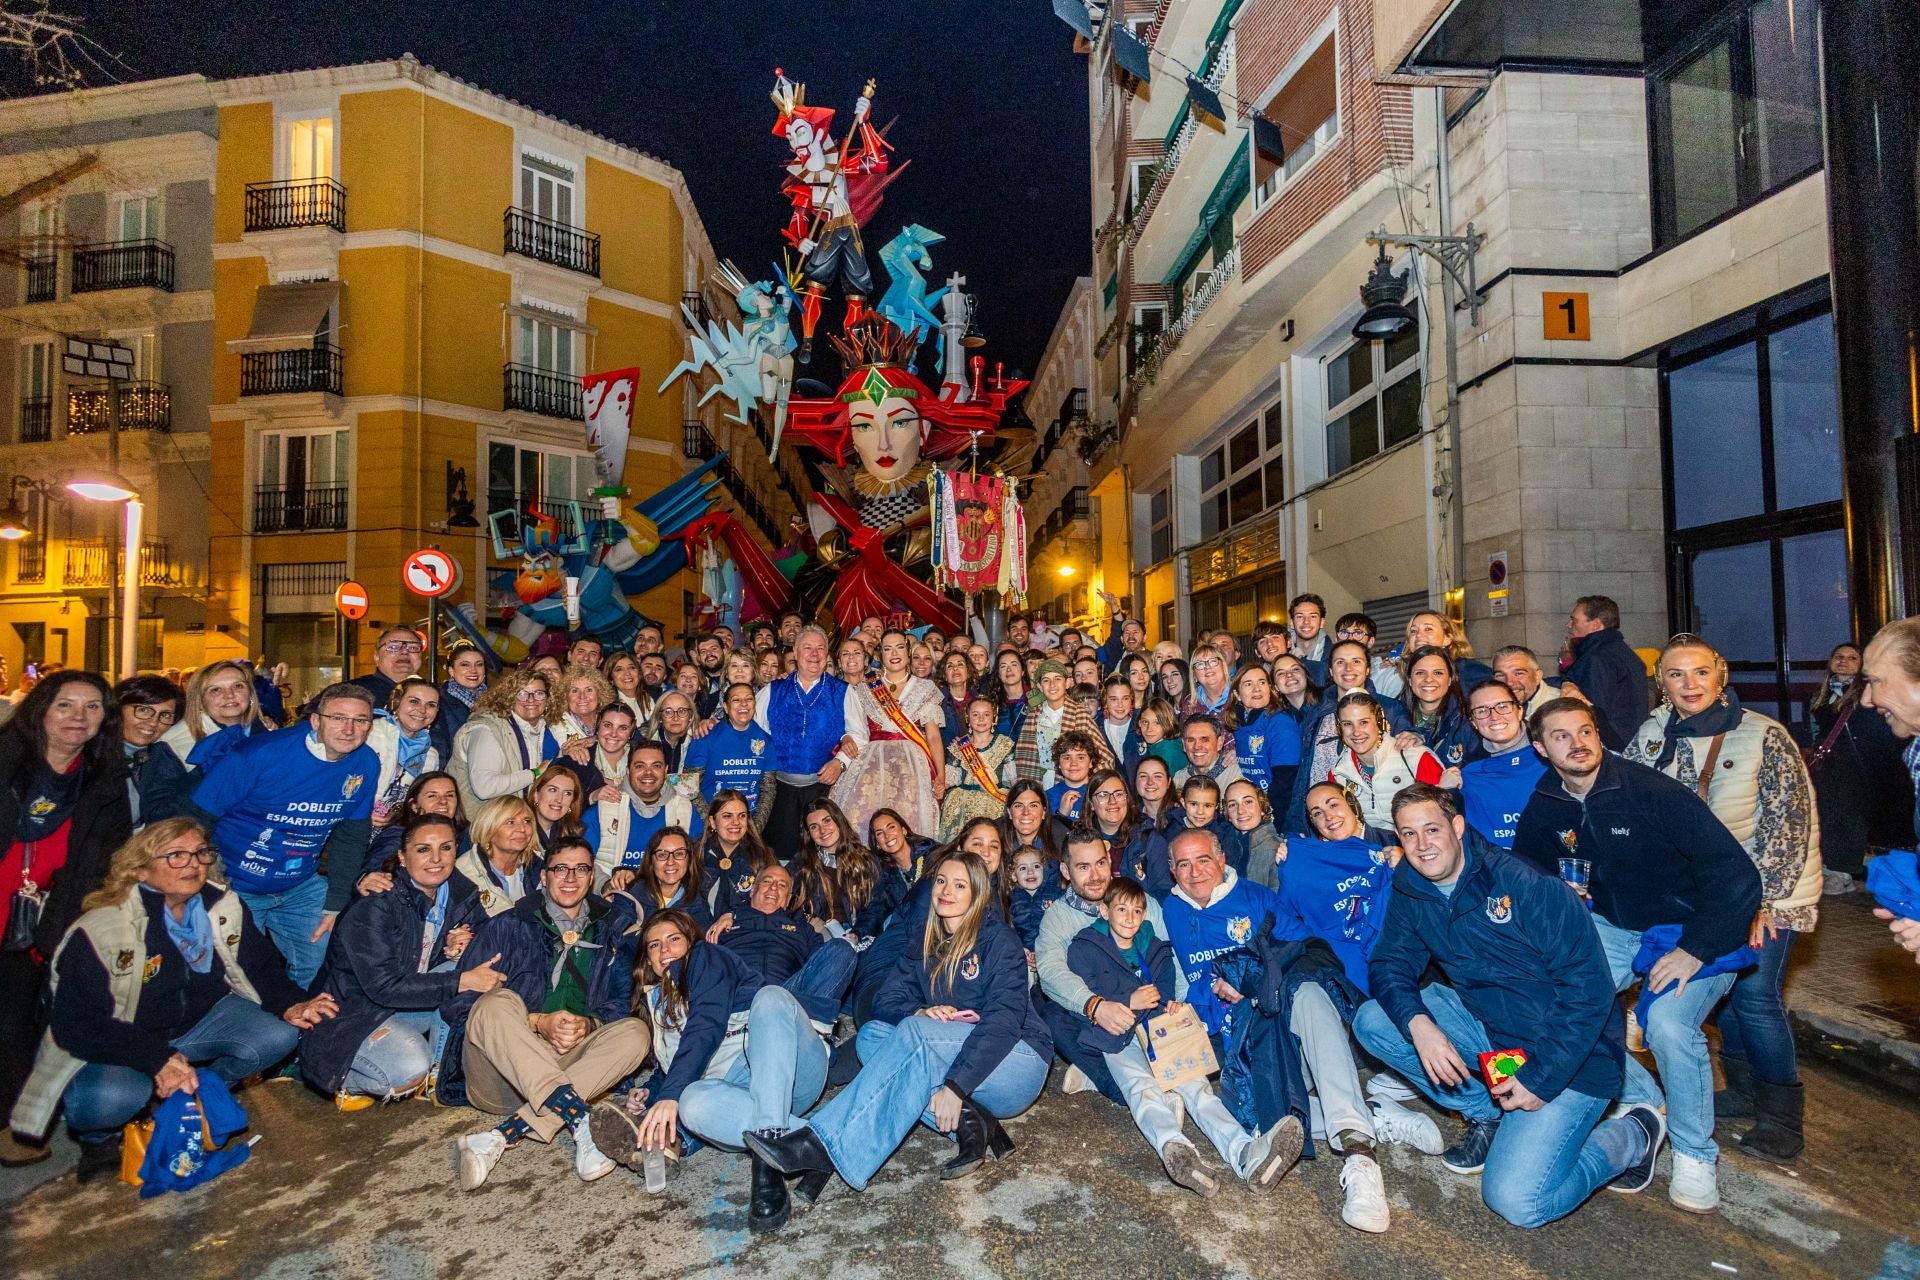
670	903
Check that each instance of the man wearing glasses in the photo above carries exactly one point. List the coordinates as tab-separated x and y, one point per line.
281	802
396	655
556	1035
1497	787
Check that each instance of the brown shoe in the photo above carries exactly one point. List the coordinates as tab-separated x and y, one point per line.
17	1153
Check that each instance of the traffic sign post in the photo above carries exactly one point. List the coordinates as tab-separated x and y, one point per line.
350	598
432	574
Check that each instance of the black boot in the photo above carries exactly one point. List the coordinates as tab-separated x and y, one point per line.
99	1161
979	1136
796	1151
1735	1102
770	1206
1781	1135
809	1185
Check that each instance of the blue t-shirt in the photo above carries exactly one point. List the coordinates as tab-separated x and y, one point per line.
1269	743
1198	937
1058	792
1338	892
274	803
729	757
1496	790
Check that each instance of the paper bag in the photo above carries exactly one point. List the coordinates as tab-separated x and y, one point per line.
1177	1048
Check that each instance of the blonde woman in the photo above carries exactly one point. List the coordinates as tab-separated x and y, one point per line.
509	738
1436	629
954	1038
1751	774
215	993
582	692
219	696
504	860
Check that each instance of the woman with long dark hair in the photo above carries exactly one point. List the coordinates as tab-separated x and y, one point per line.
1438	707
956	689
1028	822
668	877
63	811
954	1044
731	851
834	875
1009	687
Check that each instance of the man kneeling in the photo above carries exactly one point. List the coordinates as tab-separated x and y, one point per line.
1122	962
557	1034
1527	974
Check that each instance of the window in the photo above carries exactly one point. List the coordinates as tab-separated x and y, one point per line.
1306	112
1160	525
1752	439
1734	115
145	354
546	189
1149	322
36	392
303	481
136	218
1141	29
547	345
1169	613
309	144
30	552
1372	398
516	473
1245	475
1140	176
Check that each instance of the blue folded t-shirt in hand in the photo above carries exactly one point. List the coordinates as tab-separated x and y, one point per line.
1894	881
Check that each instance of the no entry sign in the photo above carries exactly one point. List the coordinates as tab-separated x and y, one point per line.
350	598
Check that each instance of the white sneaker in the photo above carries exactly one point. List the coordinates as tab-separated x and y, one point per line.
1407	1127
1267	1158
1385	1084
1696	1184
589	1161
475	1155
1835	883
1075	1081
1366	1206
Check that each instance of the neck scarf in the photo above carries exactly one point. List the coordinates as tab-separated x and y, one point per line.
430	927
1718	718
192	933
49	801
460	693
1073	899
568	934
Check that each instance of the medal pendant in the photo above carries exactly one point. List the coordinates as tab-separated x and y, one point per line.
570	937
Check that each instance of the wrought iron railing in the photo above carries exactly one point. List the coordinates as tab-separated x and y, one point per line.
95	562
36	420
279	508
144	406
123	264
43	278
531	390
298	202
543	239
275	373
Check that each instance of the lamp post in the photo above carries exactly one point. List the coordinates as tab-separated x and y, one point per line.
110	487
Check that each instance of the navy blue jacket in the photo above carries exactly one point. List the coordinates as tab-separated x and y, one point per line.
1030	904
519	936
1451	738
1233	844
1132	745
719	985
772	944
992	982
1659	855
372	970
1614	680
1519	950
452	717
1096	961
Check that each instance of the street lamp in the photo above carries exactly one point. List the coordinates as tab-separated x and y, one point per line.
1065	571
111	487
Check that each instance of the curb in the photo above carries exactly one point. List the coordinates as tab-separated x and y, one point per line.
1859	1049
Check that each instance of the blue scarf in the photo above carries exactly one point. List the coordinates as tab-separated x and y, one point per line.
192	933
460	693
413	747
1718	718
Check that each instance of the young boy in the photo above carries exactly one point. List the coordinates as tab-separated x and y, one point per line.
733	753
1072	765
1035	888
1123	963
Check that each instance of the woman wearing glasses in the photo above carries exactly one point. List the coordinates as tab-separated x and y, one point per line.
508	741
164	974
157	781
1497	786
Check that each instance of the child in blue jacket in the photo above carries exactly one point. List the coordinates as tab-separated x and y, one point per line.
1036	886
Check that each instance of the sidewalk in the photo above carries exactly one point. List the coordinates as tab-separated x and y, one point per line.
1854	995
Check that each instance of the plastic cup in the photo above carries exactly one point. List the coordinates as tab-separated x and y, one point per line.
1576	872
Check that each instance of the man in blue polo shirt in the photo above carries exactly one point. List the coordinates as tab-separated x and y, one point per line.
1496	787
280	802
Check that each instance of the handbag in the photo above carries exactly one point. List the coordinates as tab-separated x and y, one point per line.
1178	1049
1818	756
29	900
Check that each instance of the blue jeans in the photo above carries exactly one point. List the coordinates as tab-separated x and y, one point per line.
1065	1025
1543	1164
821	983
236	1039
1753	1023
398	1055
289	918
904	1066
1679	1047
771	1085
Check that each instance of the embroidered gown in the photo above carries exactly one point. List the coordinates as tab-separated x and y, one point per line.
891	771
967	798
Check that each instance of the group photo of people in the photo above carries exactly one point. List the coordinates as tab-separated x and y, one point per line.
775	901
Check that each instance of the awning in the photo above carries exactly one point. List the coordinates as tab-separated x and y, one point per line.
286	316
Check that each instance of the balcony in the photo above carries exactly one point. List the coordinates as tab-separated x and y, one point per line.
545	240
557	507
95	562
301	202
124	264
144	406
1206	286
696	442
1075	505
280	508
280	373
43	278
36	420
542	391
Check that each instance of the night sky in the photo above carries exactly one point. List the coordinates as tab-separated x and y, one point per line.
990	98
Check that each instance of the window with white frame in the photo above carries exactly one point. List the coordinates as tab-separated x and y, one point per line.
546	189
1149	322
1160	524
145	348
136	217
551	346
1372	398
35	422
1141	29
302	481
516	473
1140	174
1306	112
309	147
1245	474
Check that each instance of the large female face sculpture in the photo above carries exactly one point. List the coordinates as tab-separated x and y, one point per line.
886	433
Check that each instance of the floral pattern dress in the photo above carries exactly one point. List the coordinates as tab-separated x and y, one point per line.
967	797
890	771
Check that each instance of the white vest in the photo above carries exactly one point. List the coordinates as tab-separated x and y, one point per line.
1392	770
473	865
1733	792
616	829
118	936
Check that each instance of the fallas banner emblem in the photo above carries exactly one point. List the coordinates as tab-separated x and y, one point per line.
980	534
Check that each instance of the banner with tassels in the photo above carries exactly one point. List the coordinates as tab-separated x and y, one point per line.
979	534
